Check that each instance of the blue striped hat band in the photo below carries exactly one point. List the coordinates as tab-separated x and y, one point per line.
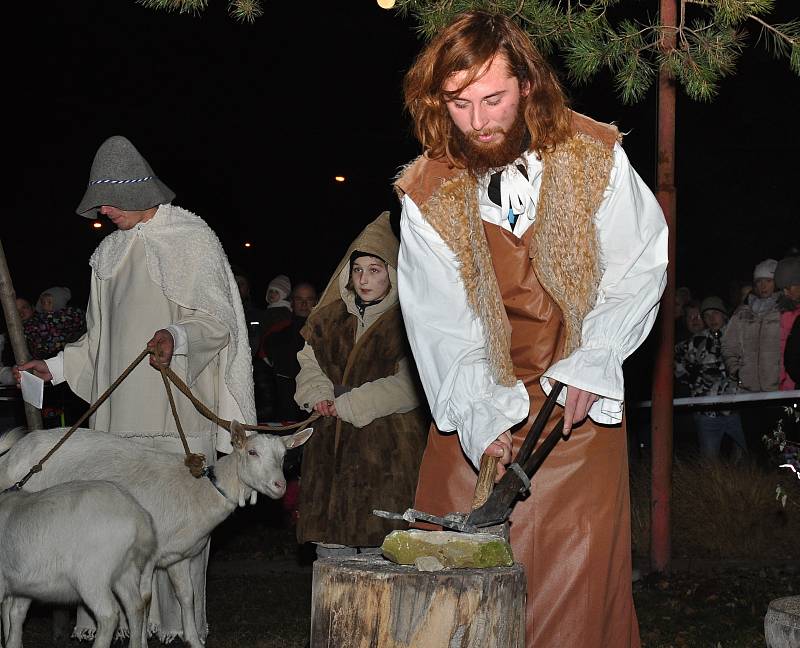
112	181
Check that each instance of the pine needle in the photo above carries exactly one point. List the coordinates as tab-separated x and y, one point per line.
590	38
246	10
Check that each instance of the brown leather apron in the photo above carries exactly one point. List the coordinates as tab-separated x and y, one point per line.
572	534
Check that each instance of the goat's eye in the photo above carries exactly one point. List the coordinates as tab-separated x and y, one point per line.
252	453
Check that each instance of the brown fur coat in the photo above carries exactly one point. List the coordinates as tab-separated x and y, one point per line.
348	471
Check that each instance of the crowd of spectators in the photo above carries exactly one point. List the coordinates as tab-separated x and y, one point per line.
52	321
274	325
746	346
275	339
48	324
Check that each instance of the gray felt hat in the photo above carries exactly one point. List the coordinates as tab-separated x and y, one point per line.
787	272
122	178
713	303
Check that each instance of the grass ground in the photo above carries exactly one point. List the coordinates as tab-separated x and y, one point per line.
719	608
735	549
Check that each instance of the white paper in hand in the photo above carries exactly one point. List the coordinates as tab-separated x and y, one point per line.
32	388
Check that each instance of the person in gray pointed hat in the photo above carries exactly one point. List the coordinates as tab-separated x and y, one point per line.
162	270
122	178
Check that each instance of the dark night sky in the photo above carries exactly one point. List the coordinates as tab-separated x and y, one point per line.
248	124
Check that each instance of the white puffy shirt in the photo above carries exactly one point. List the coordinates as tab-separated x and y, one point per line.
447	338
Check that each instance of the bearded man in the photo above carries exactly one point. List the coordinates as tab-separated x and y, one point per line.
531	252
163	270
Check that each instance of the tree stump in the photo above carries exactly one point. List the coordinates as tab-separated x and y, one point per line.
782	623
367	601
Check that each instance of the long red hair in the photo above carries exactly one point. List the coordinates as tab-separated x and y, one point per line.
469	42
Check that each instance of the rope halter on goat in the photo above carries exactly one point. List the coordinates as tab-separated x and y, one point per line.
194	461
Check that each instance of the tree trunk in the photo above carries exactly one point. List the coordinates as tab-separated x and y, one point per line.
663	370
8	298
367	601
33	416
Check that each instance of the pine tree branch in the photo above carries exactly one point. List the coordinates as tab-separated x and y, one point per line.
243	10
777	33
180	6
698	54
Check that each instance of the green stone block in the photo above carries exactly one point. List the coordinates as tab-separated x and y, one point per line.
452	549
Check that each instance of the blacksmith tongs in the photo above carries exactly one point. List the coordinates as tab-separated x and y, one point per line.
517	479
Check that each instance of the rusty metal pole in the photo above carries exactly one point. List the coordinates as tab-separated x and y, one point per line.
661	414
8	298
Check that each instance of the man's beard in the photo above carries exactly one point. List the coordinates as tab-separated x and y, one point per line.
481	158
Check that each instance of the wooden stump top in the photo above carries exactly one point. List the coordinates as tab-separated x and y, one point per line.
788	606
372	563
365	601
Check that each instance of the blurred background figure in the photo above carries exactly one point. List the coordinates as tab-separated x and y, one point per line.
700	368
791	354
275	369
278	350
6	373
53	324
738	291
751	343
24	309
787	281
278	306
687	327
691	323
12	411
253	315
683	295
751	350
276	317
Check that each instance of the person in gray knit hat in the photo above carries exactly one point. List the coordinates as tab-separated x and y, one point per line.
787	276
700	368
163	270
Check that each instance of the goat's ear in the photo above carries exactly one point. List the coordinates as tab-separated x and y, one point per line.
238	435
297	439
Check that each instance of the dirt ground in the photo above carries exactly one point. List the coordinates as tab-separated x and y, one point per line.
259	594
734	549
721	608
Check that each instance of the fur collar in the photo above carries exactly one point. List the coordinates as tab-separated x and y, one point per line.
186	259
564	249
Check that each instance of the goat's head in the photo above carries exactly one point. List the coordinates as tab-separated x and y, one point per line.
260	458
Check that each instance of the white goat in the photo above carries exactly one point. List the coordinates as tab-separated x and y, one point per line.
78	541
185	510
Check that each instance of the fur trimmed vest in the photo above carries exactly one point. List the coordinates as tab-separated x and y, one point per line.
355	470
564	248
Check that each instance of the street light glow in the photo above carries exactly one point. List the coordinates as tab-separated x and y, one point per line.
338	178
248	244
